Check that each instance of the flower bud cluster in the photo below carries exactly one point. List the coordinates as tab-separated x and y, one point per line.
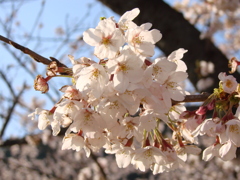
223	126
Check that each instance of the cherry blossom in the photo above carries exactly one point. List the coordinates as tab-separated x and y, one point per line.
125	69
66	111
142	41
172	87
45	118
211	152
106	38
175	112
73	141
227	151
233	131
71	92
124	157
145	157
176	57
125	20
182	151
229	82
207	127
91	81
161	68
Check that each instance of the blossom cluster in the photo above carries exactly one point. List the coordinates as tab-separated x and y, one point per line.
126	103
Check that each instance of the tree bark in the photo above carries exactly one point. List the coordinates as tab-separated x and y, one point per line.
177	33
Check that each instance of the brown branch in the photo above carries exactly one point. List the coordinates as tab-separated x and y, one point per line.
194	98
23	65
31	53
25	50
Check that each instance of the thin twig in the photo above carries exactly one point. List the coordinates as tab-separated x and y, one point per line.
8	84
23	65
36	20
11	89
10	110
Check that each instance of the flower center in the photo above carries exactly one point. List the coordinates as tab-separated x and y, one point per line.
172	85
123	67
229	83
156	70
106	40
234	128
137	39
95	73
148	154
114	105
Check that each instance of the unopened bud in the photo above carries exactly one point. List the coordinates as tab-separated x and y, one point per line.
40	84
202	110
211	105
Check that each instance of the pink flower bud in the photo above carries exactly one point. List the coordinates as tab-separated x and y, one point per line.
40	84
202	110
211	105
